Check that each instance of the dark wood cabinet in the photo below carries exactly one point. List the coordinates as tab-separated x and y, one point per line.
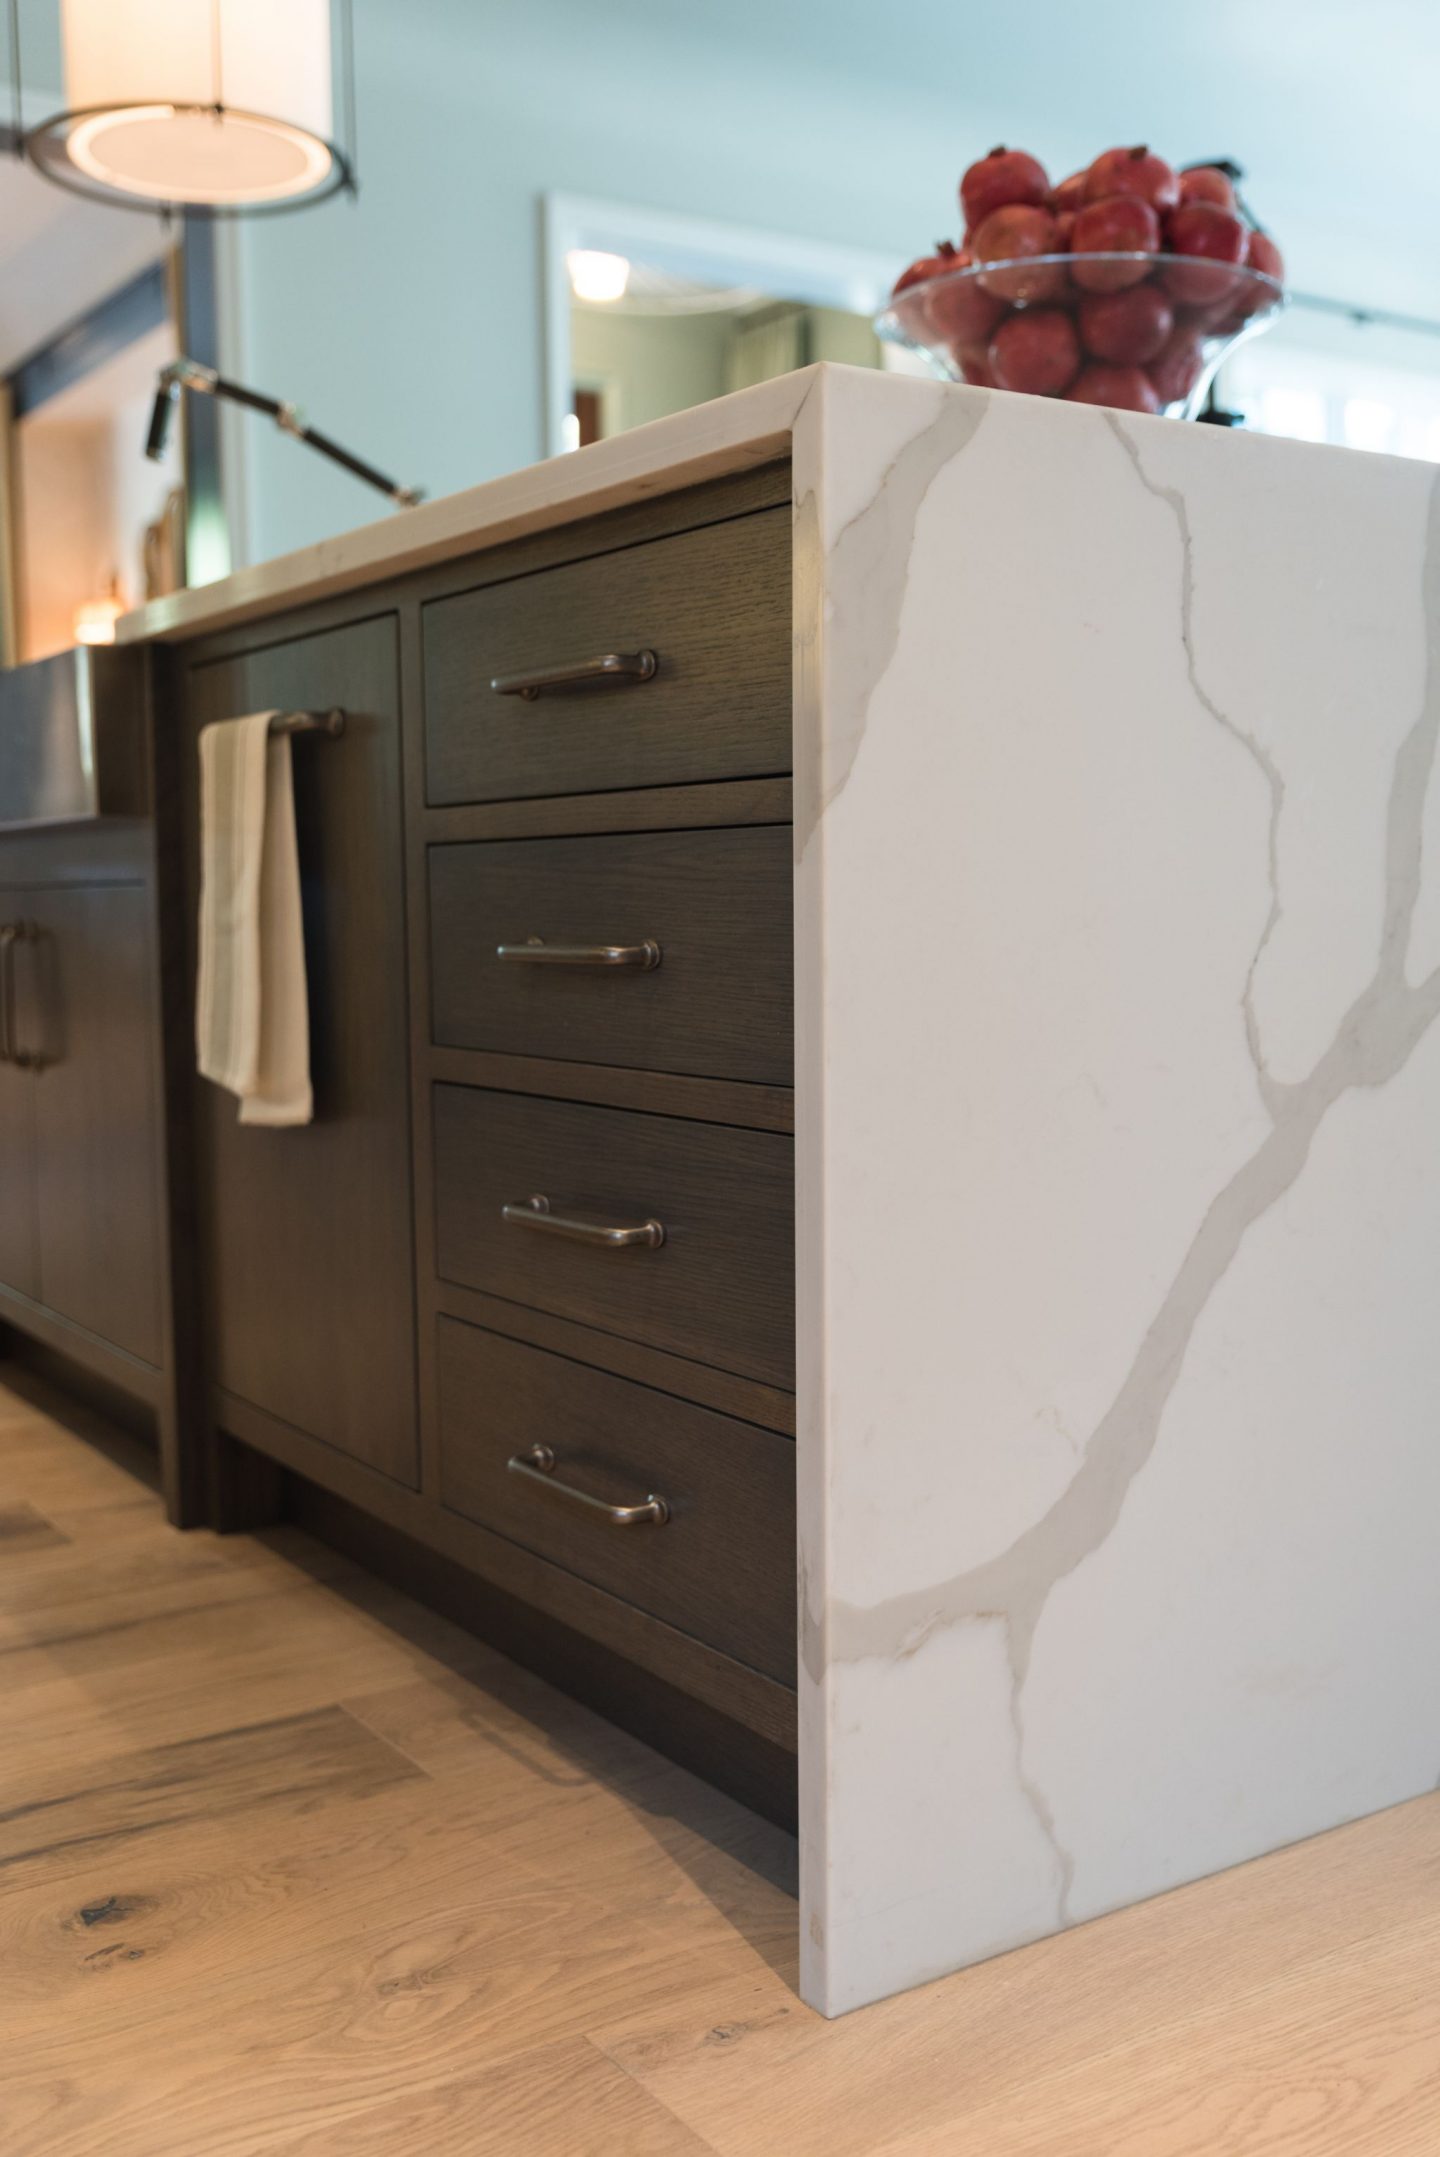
371	1325
95	1108
19	1249
88	1261
80	1187
306	1234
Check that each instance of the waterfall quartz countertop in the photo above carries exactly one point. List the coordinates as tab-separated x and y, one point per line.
1118	1085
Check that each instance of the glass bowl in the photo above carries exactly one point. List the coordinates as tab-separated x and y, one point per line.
1138	332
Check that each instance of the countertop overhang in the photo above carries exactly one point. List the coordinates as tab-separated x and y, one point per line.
732	434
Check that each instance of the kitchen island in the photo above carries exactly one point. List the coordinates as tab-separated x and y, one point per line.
1114	857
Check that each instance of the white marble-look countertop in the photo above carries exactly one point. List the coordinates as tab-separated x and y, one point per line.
753	427
1118	1137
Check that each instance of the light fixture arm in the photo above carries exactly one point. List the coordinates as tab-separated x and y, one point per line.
188	374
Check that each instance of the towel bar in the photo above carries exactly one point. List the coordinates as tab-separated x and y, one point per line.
331	722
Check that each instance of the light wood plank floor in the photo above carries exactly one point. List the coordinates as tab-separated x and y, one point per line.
288	1865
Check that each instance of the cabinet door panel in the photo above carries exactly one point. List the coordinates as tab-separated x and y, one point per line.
95	1092
308	1232
19	1268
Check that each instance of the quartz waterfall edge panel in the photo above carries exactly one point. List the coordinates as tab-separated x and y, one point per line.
1118	1085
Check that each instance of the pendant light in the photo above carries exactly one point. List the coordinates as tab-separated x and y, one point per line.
221	106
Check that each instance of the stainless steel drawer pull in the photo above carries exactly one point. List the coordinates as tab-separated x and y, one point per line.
535	1213
536	952
609	667
537	1465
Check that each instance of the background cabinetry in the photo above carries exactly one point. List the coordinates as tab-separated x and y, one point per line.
80	1212
19	1253
95	1094
88	1268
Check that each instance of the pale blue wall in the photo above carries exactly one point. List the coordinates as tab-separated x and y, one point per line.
40	64
410	325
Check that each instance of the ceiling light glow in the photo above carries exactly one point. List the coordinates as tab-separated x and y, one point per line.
597	276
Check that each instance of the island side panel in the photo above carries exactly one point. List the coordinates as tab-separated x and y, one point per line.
1119	1080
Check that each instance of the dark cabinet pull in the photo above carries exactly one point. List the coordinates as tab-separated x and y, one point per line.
537	1465
609	667
330	722
11	934
535	1213
536	952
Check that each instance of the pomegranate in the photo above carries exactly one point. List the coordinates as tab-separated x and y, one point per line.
962	310
1133	172
1128	389
1262	254
1216	238
1248	298
1207	183
1009	235
1120	224
1129	327
924	267
1036	350
1070	193
1004	177
1177	366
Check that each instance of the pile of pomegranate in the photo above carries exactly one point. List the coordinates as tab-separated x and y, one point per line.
1126	332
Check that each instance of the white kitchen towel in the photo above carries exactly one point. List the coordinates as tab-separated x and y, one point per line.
252	1024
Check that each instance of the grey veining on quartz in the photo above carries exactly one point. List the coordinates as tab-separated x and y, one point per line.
1167	536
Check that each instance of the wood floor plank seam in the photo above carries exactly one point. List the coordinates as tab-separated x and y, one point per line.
187	1779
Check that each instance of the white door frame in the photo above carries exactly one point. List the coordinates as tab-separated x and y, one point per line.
816	272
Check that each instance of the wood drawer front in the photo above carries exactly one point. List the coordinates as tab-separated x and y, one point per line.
713	605
722	1567
719	1290
716	903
